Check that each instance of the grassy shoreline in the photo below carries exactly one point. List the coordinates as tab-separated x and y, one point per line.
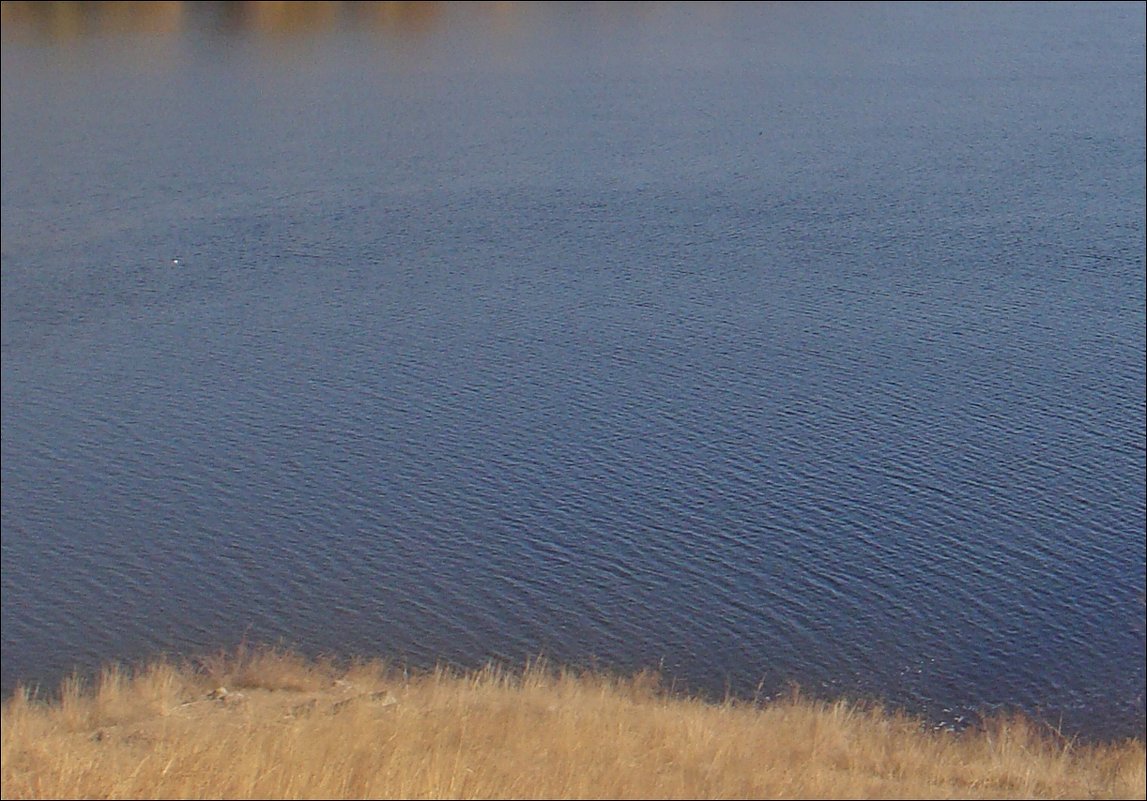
271	724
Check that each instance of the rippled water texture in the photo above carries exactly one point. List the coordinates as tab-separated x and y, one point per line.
758	343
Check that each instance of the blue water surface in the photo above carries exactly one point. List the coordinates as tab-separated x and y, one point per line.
753	343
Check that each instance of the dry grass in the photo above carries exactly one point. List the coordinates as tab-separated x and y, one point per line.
289	728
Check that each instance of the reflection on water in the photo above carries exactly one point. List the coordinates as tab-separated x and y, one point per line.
63	21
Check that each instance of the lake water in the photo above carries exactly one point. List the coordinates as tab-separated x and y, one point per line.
758	344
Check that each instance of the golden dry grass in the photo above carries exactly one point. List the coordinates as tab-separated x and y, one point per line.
289	728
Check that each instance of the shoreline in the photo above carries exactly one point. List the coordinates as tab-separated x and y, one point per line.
1121	722
271	724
